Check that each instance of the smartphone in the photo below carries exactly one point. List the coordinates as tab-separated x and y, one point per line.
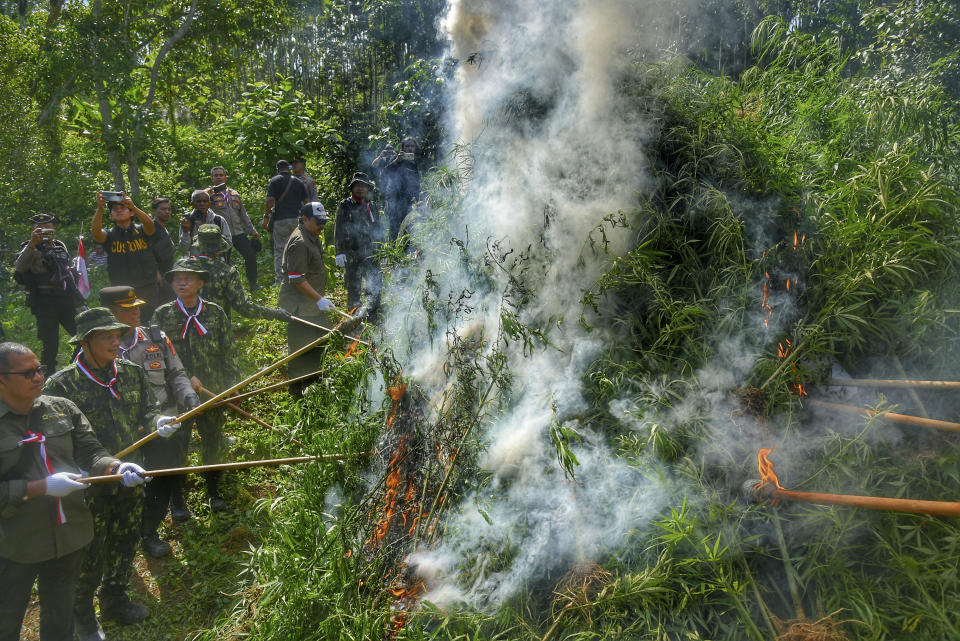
112	196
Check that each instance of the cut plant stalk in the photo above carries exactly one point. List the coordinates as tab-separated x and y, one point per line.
906	419
892	382
221	467
768	488
246	414
327	329
203	407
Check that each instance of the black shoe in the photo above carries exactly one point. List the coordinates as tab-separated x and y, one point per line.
180	512
122	610
155	546
87	627
217	504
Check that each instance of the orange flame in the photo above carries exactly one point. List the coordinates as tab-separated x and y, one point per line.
796	240
396	392
352	349
392	483
788	284
767	474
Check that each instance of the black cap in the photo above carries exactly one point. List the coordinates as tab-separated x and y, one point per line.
296	160
283	165
120	296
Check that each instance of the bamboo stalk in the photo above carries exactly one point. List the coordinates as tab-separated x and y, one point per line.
911	506
199	409
243	412
326	329
931	423
273	386
889	382
219	467
912	391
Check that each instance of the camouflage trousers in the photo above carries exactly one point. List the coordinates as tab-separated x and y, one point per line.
116	534
210	426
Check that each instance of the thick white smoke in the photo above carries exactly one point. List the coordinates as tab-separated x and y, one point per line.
554	153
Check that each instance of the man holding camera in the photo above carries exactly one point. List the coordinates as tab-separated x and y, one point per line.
43	268
246	240
399	180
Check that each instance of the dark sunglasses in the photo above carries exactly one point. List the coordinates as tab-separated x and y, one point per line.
28	373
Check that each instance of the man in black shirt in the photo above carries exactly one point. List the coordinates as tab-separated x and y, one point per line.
161	244
285	196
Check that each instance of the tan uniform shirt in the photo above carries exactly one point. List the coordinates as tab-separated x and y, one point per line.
302	260
229	205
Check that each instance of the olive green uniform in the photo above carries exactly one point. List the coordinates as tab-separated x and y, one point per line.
225	288
303	261
120	414
35	540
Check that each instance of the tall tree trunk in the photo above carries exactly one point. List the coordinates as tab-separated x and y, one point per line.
133	172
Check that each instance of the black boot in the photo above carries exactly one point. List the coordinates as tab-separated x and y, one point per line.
121	609
155	546
217	504
86	625
178	503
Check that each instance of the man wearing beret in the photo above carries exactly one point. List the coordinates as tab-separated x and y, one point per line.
200	331
43	268
150	348
224	287
44	443
114	395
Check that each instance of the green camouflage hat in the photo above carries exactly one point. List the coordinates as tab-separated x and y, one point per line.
95	319
187	265
210	239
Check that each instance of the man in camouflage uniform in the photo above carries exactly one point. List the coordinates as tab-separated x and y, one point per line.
358	235
224	287
302	291
150	348
114	396
201	333
44	443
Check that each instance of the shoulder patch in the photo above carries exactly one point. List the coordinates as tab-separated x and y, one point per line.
153	348
155	364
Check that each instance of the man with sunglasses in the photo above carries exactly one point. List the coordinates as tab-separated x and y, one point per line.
113	393
44	443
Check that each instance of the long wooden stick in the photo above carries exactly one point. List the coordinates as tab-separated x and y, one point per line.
912	506
272	386
885	382
242	412
946	426
199	409
242	465
326	329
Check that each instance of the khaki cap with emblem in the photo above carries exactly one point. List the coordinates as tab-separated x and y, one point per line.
95	319
120	296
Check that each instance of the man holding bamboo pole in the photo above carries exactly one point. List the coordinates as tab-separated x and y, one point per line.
44	443
150	348
201	334
114	396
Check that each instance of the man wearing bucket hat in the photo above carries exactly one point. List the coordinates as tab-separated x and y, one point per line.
303	288
150	348
44	443
200	331
43	269
358	234
114	395
224	286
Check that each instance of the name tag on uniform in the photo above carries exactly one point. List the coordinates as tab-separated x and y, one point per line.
153	348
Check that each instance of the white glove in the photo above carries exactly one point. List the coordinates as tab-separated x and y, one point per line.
324	305
341	260
166	426
132	474
63	483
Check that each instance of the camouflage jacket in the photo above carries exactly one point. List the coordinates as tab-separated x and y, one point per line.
119	417
29	530
150	348
208	355
225	288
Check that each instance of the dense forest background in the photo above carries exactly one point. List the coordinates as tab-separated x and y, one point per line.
796	220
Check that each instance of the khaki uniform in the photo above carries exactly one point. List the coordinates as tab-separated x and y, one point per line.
303	261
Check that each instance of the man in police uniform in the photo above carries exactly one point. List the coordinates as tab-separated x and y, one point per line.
224	287
302	291
43	268
114	396
245	239
44	443
150	348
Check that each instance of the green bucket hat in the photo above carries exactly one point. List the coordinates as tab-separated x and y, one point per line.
187	265
210	239
95	319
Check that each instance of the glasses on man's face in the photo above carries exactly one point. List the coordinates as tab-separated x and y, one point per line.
28	373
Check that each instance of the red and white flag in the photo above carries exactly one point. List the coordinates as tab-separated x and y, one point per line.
80	264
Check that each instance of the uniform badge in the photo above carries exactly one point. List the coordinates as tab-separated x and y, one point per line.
153	347
155	365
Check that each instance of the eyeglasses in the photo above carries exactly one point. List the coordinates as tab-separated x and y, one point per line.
28	373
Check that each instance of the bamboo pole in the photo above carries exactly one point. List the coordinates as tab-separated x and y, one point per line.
911	506
306	322
219	467
931	423
885	382
272	386
243	412
199	409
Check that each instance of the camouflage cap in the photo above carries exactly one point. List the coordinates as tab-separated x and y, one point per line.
95	319
361	177
120	296
210	239
187	265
